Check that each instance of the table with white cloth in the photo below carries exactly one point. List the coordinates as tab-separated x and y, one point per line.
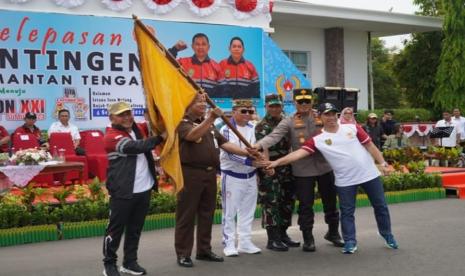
20	175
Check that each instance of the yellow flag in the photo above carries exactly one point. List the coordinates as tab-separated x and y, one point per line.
168	94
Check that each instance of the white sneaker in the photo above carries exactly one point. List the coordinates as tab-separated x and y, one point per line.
230	251
249	248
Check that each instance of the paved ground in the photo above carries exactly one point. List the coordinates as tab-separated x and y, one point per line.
431	235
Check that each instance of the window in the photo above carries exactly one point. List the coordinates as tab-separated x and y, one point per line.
301	60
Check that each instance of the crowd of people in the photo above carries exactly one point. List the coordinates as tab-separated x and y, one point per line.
386	133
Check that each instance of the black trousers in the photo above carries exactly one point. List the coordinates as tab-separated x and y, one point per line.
128	216
305	192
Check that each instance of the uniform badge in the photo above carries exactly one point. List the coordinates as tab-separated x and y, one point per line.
190	72
227	73
301	138
350	135
328	142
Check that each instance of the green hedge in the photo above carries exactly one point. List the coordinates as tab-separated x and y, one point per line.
400	115
74	230
17	212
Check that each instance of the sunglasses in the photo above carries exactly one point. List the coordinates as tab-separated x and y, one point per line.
304	101
245	111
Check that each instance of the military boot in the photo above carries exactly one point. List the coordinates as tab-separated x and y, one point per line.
333	235
286	239
309	242
274	240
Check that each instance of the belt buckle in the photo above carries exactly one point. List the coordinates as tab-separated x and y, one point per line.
209	168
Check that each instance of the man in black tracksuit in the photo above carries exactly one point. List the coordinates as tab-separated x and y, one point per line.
130	178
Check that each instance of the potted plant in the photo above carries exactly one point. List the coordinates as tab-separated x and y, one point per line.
30	157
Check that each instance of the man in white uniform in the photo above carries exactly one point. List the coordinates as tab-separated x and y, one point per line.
239	184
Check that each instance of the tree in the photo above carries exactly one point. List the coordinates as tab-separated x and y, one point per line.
416	65
450	77
430	7
415	68
387	92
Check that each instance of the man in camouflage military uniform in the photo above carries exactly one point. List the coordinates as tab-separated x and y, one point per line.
308	171
276	193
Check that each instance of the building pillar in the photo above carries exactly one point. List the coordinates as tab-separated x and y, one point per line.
334	55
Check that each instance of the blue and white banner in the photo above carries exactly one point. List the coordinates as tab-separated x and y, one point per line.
51	61
281	75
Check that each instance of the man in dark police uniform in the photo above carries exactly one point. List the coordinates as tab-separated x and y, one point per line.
308	171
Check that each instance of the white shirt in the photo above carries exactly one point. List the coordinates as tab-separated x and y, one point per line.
233	162
450	141
351	162
460	121
143	180
70	128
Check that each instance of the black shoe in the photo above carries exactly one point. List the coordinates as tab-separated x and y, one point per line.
277	246
309	242
185	262
309	247
133	269
210	256
111	270
287	240
335	238
274	240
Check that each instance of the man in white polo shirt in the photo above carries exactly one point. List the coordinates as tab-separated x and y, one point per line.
454	138
350	152
63	125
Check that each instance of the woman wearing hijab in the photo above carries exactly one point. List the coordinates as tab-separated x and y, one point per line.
347	116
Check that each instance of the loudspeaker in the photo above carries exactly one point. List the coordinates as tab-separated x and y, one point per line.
330	95
350	98
340	97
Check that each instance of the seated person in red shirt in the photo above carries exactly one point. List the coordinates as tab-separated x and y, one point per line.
29	127
4	140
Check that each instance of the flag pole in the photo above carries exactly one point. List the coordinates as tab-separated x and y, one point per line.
199	89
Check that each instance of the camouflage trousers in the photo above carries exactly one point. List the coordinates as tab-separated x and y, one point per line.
277	197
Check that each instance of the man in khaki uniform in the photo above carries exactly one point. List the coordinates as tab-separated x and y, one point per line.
200	145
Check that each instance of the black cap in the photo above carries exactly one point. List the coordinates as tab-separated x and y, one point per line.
30	115
327	107
303	94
